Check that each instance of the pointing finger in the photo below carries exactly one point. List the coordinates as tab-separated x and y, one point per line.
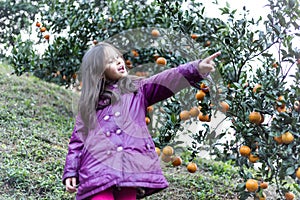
213	56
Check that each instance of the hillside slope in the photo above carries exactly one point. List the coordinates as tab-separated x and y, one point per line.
36	121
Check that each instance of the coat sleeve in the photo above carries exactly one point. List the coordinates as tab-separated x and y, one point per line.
75	147
165	84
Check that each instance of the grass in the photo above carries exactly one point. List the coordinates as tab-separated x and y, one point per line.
36	122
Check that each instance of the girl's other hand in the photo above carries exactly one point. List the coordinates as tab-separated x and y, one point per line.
71	184
207	65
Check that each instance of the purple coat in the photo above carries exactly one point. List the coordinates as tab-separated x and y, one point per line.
120	151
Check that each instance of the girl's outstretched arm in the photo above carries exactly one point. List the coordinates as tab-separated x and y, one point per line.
165	84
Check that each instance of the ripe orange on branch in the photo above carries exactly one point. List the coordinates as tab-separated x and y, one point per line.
47	36
289	196
161	61
253	158
251	185
43	29
194	36
256	88
176	161
264	185
194	111
166	158
147	120
184	115
203	118
298	173
245	150
287	137
200	95
224	106
255	117
278	139
157	150
192	167
155	33
168	151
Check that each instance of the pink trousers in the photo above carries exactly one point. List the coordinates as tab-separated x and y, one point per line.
123	193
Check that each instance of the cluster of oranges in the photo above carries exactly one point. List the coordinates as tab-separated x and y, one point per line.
43	30
167	155
253	185
197	111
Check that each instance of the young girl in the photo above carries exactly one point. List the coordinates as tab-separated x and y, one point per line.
111	153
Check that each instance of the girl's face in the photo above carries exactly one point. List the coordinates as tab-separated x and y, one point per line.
115	68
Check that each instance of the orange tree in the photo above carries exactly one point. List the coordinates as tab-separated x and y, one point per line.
262	87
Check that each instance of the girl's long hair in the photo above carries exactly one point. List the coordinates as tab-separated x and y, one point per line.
94	82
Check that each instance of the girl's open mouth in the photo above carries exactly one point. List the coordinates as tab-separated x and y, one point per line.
121	69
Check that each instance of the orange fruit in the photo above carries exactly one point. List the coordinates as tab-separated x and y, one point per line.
134	53
298	173
204	88
184	115
157	150
155	33
194	36
128	62
74	76
168	151
43	29
280	98
255	117
274	65
278	139
194	111
95	42
289	196
147	120
161	61
281	108
192	167
200	95
245	151
224	106
287	138
203	118
251	185
207	43
150	109
253	158
264	185
37	24
176	161
166	158
47	36
256	87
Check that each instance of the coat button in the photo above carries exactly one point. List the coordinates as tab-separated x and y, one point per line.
106	117
117	114
148	146
108	152
107	134
119	131
119	148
